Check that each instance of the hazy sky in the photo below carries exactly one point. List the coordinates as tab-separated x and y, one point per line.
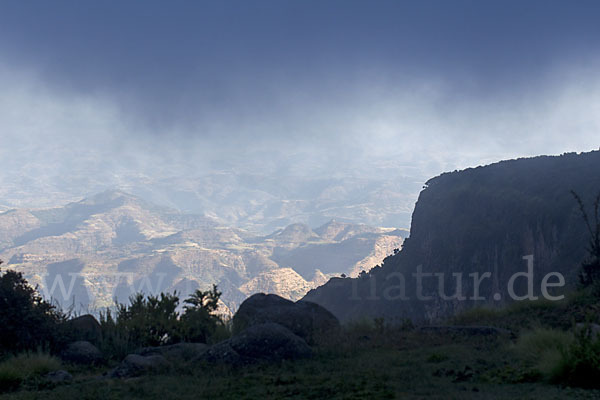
435	84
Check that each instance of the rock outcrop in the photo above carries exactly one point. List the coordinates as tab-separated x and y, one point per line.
305	319
478	221
262	342
82	352
136	365
176	353
85	327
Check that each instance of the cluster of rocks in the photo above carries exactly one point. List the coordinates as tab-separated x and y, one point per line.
268	341
157	359
135	365
305	319
267	327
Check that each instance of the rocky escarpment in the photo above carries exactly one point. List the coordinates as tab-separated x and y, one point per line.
481	221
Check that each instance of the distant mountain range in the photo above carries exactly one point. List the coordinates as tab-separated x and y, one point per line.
275	191
113	244
477	221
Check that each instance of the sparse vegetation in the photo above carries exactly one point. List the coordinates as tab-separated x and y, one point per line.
27	321
579	364
543	349
368	358
522	316
146	321
400	364
154	321
590	272
25	367
199	322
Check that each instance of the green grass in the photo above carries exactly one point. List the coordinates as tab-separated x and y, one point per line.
531	345
543	349
579	364
521	316
374	360
25	367
384	365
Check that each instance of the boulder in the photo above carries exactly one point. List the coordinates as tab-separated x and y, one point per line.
136	365
270	341
306	319
176	353
223	353
84	327
60	376
264	342
593	329
82	352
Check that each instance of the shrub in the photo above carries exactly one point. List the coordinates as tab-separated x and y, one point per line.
590	271
542	348
115	342
150	321
223	330
153	321
579	364
198	322
27	321
146	321
532	344
26	366
10	378
563	357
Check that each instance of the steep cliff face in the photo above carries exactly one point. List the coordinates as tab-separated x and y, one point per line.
482	220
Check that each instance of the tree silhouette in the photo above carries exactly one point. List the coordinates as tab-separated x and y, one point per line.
27	321
198	320
590	271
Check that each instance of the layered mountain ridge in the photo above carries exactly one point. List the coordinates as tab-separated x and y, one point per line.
113	244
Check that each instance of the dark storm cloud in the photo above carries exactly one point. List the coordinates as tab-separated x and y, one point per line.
196	65
293	87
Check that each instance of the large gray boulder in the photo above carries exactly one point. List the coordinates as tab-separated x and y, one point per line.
270	341
176	353
305	319
82	352
264	342
136	365
84	327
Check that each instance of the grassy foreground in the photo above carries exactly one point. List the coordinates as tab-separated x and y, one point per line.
403	366
387	373
371	361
